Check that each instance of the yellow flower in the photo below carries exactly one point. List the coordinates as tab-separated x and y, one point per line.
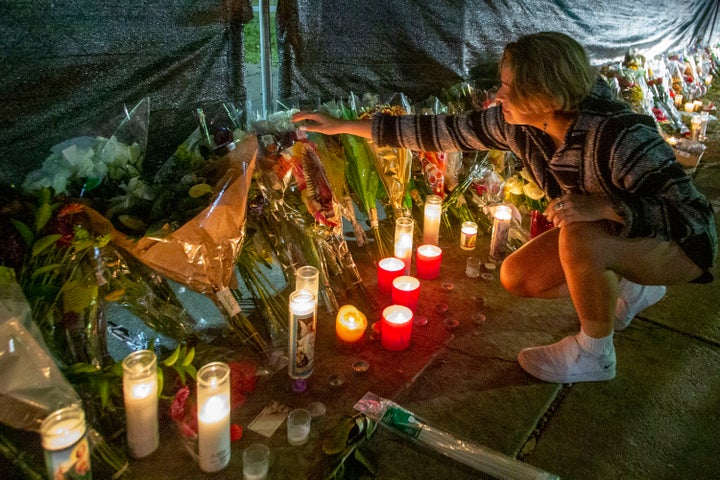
514	186
531	190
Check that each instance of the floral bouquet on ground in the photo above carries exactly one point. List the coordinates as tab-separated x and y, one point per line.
32	386
103	170
302	218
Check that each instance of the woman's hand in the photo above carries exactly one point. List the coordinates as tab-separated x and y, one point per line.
572	207
323	123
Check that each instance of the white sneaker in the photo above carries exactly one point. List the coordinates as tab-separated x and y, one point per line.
633	299
566	362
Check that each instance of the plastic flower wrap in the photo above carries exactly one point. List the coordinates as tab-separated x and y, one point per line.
79	165
303	221
32	386
202	252
392	164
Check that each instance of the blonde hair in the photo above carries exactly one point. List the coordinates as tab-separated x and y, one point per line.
550	70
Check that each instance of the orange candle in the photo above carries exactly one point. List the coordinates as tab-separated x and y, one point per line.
350	324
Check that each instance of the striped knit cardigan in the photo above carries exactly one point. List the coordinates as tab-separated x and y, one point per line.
609	150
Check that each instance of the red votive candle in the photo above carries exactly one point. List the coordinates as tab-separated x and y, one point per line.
427	261
388	269
396	327
406	291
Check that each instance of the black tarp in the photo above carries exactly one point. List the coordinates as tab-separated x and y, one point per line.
416	46
67	67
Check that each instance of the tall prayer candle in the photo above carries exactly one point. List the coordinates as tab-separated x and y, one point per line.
431	220
387	270
404	240
396	327
406	291
468	235
427	261
64	439
302	326
350	324
140	391
501	228
213	404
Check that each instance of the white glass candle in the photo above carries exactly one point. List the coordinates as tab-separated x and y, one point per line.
431	221
302	306
501	228
213	403
140	391
404	240
64	439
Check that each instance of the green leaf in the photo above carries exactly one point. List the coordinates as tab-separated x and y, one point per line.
43	215
360	457
41	244
104	388
24	231
44	269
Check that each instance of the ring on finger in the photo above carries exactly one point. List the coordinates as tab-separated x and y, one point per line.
559	206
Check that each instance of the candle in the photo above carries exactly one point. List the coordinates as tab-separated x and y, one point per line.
695	125
406	291
396	327
213	404
689	107
708	80
431	221
350	324
308	278
697	105
302	326
538	223
468	235
67	450
140	391
387	270
404	240
678	100
427	261
501	228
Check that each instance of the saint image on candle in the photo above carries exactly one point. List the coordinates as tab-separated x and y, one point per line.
468	235
501	229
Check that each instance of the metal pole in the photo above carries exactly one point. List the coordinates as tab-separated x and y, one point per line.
265	58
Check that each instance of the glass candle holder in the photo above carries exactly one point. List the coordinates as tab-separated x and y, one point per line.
387	270
468	235
350	324
406	291
500	231
140	392
302	316
404	240
397	322
64	440
428	259
213	404
307	278
538	223
431	219
472	267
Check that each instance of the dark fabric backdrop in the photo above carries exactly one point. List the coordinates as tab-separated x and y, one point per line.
329	47
67	67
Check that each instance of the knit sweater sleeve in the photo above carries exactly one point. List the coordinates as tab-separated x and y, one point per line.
480	130
650	190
